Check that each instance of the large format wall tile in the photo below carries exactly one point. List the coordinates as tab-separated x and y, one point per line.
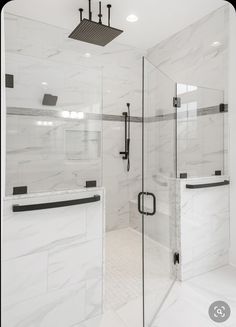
189	58
52	261
203	226
62	308
193	61
40	156
69	265
24	278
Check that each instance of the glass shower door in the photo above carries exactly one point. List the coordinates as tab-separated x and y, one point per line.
157	199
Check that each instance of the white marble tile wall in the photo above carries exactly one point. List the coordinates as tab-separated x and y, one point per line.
38	156
202	219
52	261
201	145
39	53
189	59
121	186
200	138
104	82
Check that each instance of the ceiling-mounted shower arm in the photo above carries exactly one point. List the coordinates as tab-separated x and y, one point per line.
100	12
109	14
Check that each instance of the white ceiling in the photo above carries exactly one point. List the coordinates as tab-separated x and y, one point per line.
158	19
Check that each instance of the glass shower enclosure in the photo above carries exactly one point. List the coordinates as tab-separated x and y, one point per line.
53	149
157	199
184	140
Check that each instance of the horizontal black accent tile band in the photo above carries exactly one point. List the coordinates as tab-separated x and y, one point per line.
108	117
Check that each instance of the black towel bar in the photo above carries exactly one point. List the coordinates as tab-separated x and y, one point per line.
50	205
194	186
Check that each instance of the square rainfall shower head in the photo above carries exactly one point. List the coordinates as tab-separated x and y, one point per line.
95	33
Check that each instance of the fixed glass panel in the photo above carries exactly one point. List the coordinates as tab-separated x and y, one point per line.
159	171
200	131
53	240
54	110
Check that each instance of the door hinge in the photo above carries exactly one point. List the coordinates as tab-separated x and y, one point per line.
176	258
176	102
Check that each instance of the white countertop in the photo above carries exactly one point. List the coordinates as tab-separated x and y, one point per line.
53	193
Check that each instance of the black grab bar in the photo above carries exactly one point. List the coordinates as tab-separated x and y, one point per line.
50	205
194	186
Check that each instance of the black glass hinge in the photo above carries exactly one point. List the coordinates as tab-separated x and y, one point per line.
176	102
176	258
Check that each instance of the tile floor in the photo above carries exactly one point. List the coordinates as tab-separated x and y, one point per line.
187	303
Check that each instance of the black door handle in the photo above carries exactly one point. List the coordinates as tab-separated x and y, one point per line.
139	204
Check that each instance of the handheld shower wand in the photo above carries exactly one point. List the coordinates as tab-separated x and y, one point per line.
126	153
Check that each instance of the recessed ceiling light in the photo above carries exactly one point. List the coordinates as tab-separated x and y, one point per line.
216	44
132	18
44	83
87	55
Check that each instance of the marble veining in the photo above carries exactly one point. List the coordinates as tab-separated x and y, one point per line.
202	226
44	267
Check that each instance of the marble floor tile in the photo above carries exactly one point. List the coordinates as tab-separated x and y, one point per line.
123	275
188	303
108	319
131	313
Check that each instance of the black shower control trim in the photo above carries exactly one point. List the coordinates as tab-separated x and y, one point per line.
51	205
49	100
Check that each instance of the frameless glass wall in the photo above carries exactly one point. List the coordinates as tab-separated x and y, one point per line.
184	136
54	97
201	127
53	242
